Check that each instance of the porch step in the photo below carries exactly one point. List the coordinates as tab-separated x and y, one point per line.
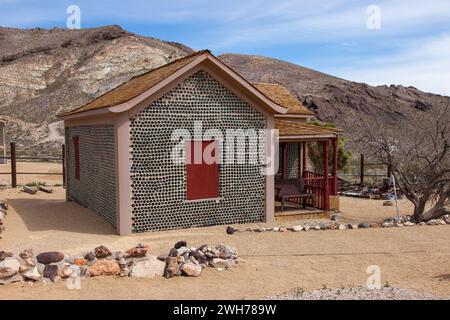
294	216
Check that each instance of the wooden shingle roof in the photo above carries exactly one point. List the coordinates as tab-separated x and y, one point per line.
282	96
136	85
291	128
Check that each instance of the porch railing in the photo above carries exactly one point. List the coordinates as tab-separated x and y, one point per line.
315	183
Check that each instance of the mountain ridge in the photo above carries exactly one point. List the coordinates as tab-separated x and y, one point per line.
46	71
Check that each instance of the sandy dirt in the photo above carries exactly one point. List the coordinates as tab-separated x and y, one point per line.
411	257
34	167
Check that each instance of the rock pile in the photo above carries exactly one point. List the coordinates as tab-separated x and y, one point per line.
316	226
3	212
407	221
190	262
134	262
333	225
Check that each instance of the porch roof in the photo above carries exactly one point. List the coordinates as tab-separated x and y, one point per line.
292	130
281	95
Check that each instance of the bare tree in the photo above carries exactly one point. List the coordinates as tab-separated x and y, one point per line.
418	152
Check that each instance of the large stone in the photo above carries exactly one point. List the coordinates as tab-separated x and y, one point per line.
230	230
220	263
138	251
148	268
104	267
163	257
180	244
32	274
226	252
191	270
172	267
90	256
6	272
11	263
182	251
342	227
15	278
50	272
70	271
102	252
80	262
297	228
50	257
199	256
363	225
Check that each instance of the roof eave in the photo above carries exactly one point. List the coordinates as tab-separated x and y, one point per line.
76	115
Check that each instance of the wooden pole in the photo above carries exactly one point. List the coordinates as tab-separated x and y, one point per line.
326	156
13	165
335	166
64	164
361	170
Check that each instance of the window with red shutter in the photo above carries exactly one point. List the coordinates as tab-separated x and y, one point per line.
202	173
76	151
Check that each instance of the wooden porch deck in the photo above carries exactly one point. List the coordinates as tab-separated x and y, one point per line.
293	212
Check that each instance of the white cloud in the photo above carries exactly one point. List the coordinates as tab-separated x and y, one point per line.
424	64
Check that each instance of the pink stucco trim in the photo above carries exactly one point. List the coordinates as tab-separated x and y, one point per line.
101	119
84	114
123	183
270	179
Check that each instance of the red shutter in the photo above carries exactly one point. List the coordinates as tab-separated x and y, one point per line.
203	176
76	151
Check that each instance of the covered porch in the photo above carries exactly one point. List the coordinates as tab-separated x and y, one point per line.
300	191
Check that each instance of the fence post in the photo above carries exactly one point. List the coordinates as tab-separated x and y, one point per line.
361	170
13	165
64	164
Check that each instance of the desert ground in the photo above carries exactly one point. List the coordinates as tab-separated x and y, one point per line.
416	258
50	173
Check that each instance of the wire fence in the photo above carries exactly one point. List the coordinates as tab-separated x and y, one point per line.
366	173
13	159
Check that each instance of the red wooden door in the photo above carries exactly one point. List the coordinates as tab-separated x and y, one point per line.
202	172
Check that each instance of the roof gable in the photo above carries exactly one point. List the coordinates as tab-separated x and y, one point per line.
135	90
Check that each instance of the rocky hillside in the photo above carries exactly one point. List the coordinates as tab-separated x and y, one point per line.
332	99
46	71
43	72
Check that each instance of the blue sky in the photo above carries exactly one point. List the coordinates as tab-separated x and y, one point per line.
412	46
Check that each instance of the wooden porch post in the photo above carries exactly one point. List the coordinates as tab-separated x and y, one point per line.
335	165
305	150
326	156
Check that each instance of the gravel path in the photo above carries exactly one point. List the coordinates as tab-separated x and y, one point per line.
358	293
